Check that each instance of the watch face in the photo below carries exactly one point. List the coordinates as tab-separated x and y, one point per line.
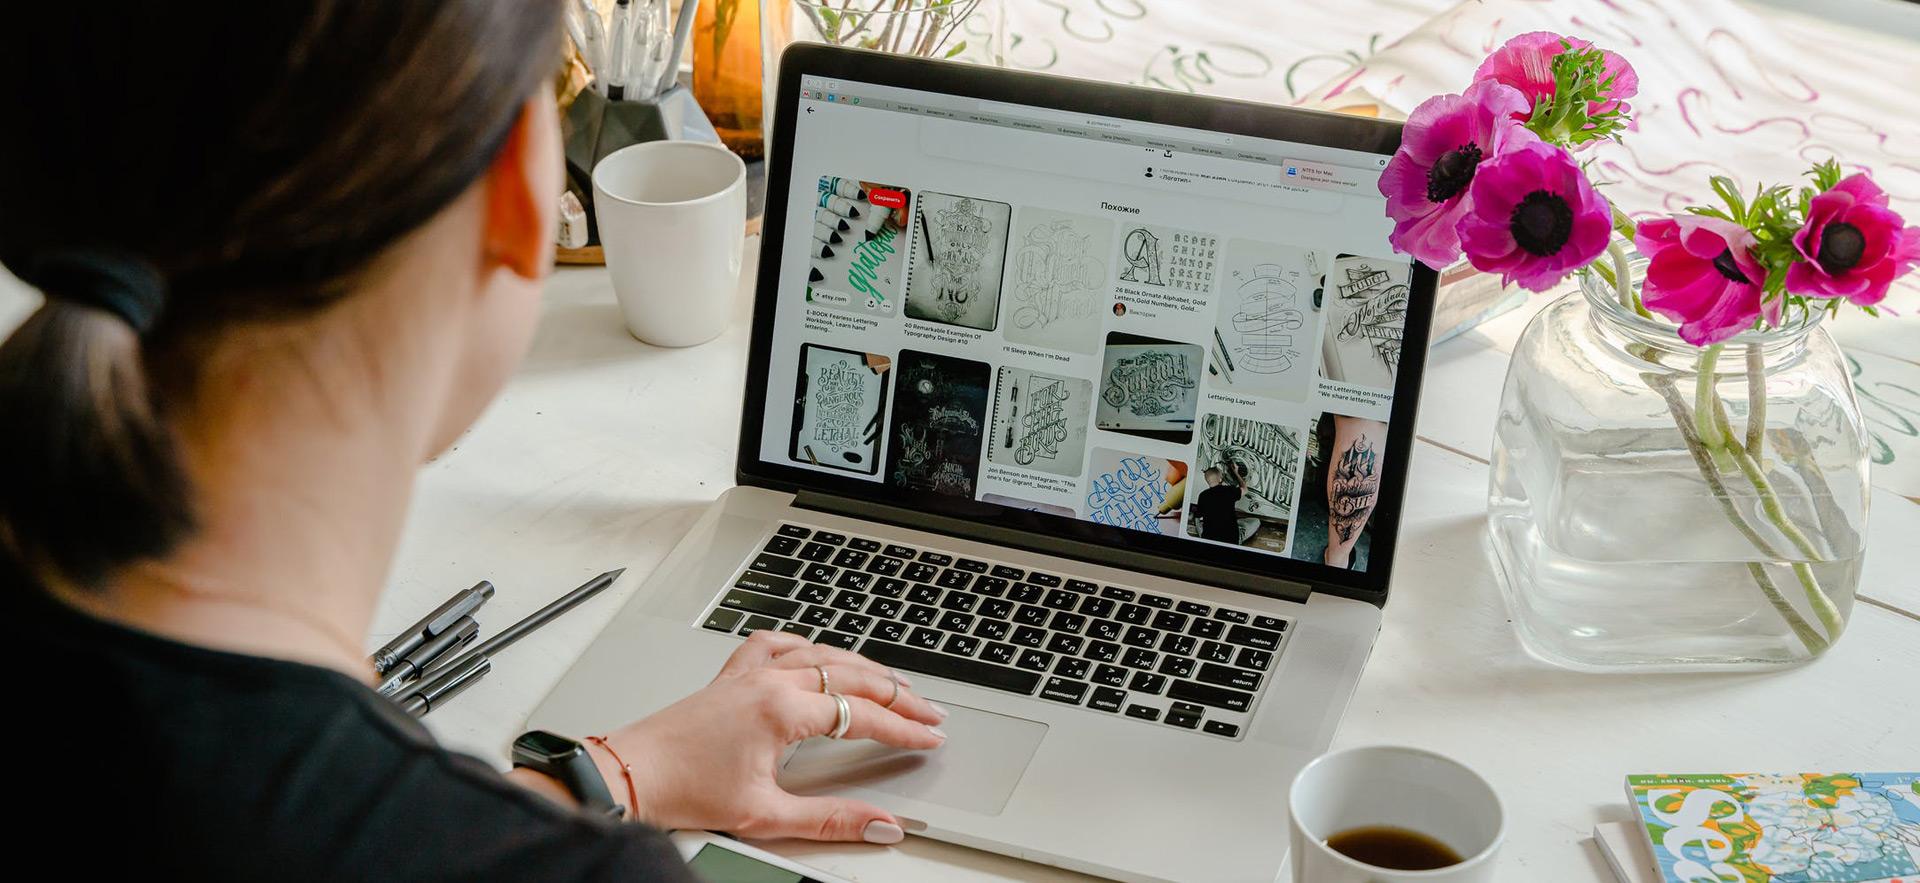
548	744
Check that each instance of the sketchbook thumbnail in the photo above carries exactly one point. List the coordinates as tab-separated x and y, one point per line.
837	409
939	423
857	251
959	253
1040	421
1057	283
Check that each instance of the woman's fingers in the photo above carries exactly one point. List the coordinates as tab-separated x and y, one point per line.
867	720
760	648
822	818
820	654
873	683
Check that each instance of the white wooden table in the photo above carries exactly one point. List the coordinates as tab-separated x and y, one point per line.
602	450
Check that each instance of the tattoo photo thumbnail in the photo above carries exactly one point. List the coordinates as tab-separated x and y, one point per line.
1333	522
857	252
837	403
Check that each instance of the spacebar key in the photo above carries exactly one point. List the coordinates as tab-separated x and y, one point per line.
941	665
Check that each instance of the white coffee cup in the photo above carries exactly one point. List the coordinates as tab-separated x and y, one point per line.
1399	787
672	218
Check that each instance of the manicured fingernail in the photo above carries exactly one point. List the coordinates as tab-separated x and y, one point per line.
938	733
882	832
939	710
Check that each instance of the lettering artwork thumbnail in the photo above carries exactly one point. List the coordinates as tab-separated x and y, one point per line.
837	409
1058	284
858	247
1366	307
1149	387
959	254
1164	257
1040	421
939	423
1266	334
1248	472
1135	491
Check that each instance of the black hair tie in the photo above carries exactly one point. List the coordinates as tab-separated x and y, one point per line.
117	282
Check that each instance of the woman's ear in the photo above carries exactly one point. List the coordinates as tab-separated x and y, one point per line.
522	191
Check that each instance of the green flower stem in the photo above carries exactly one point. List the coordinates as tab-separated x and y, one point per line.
1777	516
1756	403
1685	421
1704	400
1622	278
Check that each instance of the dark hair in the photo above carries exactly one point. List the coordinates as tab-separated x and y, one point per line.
174	167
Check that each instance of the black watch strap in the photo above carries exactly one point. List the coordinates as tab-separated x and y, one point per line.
567	762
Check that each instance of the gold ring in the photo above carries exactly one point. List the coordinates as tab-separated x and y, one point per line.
896	690
825	682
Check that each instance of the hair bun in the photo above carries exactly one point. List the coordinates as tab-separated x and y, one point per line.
120	283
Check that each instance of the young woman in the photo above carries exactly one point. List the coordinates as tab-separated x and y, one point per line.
289	251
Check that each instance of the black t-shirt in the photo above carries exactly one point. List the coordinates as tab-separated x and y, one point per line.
132	756
1218	520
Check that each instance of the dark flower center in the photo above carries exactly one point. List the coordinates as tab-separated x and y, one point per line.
1452	172
1841	246
1541	223
1724	263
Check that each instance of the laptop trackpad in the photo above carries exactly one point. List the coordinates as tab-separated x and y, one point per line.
976	770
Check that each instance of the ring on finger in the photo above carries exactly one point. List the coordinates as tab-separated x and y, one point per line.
843	716
896	690
826	683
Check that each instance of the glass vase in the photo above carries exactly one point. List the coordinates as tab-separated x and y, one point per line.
727	70
1658	506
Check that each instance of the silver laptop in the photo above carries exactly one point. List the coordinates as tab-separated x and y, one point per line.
1089	406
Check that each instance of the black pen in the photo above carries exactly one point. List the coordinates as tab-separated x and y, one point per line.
447	683
440	647
446	616
457	673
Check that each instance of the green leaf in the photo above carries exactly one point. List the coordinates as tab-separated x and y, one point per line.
957	49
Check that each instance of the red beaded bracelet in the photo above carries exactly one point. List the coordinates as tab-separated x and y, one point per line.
633	795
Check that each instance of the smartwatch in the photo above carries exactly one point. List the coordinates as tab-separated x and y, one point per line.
567	762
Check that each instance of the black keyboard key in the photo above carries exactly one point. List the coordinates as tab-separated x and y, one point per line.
841	640
1192	608
1180	645
923	637
923	595
1229	615
1253	637
1258	660
1143	712
775	564
1222	728
885	608
863	544
849	601
1214	651
768	583
819	616
1061	599
1207	694
1082	586
998	652
1227	676
1067	644
1270	623
1010	573
971	566
1106	699
936	559
889	588
953	578
854	622
1071	623
794	628
1035	660
961	645
920	614
941	665
921	572
1140	659
792	530
722	619
1072	667
1044	579
1063	690
1169	621
997	608
814	593
1148	682
891	631
885	566
757	623
1101	607
782	546
1183	719
899	551
1186	708
1104	630
1134	614
1031	615
851	558
990	586
1207	629
1117	593
1158	601
1141	636
955	621
754	602
1026	593
992	629
1102	651
1028	636
1176	666
820	573
960	601
816	552
831	539
1111	675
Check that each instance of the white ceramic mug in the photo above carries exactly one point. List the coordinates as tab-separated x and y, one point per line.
1402	788
672	218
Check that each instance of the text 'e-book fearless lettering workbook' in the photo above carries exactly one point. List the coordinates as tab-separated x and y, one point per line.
1182	344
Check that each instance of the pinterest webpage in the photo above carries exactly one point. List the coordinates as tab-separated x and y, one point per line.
1159	329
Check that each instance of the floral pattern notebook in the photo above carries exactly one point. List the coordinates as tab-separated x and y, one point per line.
1782	827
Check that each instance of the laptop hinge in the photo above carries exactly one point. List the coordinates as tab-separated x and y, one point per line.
1050	545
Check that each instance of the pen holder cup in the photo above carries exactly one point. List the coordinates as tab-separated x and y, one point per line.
595	126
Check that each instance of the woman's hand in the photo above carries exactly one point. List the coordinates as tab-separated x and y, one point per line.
708	761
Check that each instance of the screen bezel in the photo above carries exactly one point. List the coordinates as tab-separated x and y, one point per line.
1104	99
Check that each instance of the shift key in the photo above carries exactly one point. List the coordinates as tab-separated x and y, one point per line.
1218	697
754	602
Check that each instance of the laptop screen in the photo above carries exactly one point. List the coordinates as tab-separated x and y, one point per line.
993	309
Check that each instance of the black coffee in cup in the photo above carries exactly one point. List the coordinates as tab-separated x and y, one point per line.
1395	849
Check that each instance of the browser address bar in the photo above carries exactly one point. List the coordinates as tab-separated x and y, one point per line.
1097	122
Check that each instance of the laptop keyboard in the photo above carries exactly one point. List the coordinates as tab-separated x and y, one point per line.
1167	660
